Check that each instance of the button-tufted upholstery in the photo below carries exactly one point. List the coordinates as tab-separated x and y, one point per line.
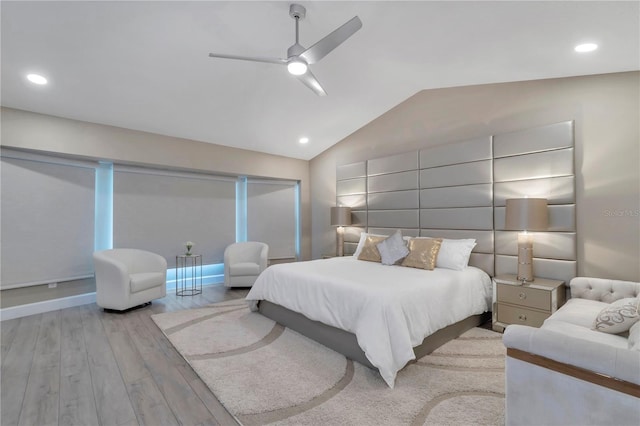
537	394
603	290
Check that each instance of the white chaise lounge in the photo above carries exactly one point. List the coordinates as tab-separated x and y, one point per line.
566	373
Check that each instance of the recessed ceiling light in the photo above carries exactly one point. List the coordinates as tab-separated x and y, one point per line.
36	79
586	47
303	140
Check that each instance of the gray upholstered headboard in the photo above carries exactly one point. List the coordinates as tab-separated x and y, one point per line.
458	190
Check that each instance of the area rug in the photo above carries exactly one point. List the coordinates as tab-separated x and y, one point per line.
264	373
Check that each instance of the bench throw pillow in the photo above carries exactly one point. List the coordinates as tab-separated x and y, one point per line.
423	253
618	317
369	251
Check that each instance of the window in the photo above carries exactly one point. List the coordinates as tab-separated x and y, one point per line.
47	219
159	210
272	216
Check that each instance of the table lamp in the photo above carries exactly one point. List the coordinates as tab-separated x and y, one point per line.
340	217
526	214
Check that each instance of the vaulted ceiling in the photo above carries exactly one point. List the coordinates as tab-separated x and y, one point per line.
145	65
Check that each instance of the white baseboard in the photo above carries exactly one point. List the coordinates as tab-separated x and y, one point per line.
71	301
46	306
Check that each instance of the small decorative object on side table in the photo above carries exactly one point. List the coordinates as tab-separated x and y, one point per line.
527	304
189	246
188	274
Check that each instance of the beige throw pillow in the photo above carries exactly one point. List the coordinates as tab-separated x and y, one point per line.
423	253
370	251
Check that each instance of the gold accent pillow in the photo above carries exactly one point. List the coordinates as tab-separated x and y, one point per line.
370	251
423	253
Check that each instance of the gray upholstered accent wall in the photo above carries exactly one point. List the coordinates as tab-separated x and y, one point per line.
458	190
537	163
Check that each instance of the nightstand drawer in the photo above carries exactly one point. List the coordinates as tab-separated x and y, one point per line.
525	296
516	315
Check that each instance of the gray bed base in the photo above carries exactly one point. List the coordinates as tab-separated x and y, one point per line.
346	343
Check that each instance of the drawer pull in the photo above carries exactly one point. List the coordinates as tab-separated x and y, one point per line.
522	317
522	296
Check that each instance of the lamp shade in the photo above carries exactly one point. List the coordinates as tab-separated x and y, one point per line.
340	216
526	214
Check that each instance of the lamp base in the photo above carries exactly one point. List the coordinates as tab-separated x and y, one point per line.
525	263
340	242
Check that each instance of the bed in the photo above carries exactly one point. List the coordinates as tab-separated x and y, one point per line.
381	316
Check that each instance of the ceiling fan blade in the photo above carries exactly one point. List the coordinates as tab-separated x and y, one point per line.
249	58
309	80
330	42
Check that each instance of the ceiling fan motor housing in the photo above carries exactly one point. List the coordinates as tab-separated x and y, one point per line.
297	12
295	50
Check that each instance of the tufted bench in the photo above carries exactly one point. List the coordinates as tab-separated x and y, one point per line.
565	372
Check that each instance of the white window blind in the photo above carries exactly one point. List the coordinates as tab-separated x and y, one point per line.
159	210
271	216
47	219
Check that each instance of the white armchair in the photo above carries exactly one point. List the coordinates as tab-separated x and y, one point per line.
129	277
243	262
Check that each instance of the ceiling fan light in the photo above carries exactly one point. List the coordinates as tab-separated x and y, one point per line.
297	67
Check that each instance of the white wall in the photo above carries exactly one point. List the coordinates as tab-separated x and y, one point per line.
60	136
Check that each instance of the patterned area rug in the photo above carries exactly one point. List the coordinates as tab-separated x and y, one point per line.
264	373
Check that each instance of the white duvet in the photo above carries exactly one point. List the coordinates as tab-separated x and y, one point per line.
390	309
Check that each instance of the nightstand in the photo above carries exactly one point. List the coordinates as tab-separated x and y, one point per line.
526	304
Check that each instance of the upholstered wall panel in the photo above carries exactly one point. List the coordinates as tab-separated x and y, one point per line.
483	261
484	239
537	163
466	218
457	196
457	174
352	233
458	190
351	191
534	166
356	201
351	171
561	218
393	200
548	245
388	231
458	152
557	190
393	164
544	138
393	218
351	186
548	268
359	218
393	182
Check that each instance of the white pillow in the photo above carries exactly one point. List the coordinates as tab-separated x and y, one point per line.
634	337
363	239
618	317
454	254
392	249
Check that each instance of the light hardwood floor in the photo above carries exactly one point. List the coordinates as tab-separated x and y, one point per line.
83	366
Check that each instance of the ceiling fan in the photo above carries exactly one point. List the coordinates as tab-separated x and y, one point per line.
298	58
